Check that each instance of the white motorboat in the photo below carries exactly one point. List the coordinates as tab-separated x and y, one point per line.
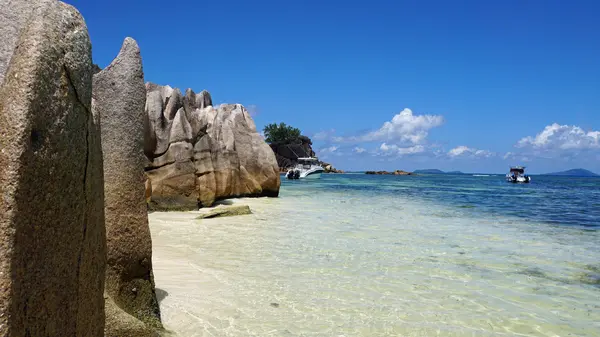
307	168
517	175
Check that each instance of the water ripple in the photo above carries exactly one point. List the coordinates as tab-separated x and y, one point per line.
385	257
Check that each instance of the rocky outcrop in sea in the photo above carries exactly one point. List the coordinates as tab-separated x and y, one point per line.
329	168
287	154
198	153
395	173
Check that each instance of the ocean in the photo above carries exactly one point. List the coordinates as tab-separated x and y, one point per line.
362	255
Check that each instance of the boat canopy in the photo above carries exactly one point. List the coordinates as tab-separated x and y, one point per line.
517	169
307	159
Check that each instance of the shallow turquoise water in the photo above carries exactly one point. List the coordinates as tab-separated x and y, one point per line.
570	201
357	255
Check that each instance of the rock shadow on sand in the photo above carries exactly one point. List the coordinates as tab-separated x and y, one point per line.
161	295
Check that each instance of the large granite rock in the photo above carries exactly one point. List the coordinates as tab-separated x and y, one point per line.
119	97
198	153
52	236
224	211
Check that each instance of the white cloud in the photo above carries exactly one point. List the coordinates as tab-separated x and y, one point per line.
562	137
458	151
404	128
323	135
252	110
467	151
330	149
359	149
400	151
484	153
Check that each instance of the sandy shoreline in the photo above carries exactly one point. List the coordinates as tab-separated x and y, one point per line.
186	284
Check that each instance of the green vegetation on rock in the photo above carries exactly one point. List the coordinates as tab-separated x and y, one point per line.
281	133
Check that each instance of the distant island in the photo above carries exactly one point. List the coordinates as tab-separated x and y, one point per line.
579	172
455	172
436	171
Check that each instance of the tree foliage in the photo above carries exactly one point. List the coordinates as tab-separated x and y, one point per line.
281	133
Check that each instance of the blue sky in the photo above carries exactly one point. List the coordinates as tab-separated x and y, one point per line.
462	85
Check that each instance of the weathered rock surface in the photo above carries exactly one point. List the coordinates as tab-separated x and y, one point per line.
199	154
52	236
119	323
226	211
119	97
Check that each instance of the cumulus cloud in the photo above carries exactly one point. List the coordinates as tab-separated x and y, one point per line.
401	151
359	149
404	127
562	137
467	151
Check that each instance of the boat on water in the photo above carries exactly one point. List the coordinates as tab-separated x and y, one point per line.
307	168
517	175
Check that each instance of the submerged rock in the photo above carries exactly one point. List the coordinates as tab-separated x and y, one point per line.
226	211
52	236
119	98
199	154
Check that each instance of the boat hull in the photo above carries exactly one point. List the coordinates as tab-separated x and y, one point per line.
518	180
307	168
313	175
304	174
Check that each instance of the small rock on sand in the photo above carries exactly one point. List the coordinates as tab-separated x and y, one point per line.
226	211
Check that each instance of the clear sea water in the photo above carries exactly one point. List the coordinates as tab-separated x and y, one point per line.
359	255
